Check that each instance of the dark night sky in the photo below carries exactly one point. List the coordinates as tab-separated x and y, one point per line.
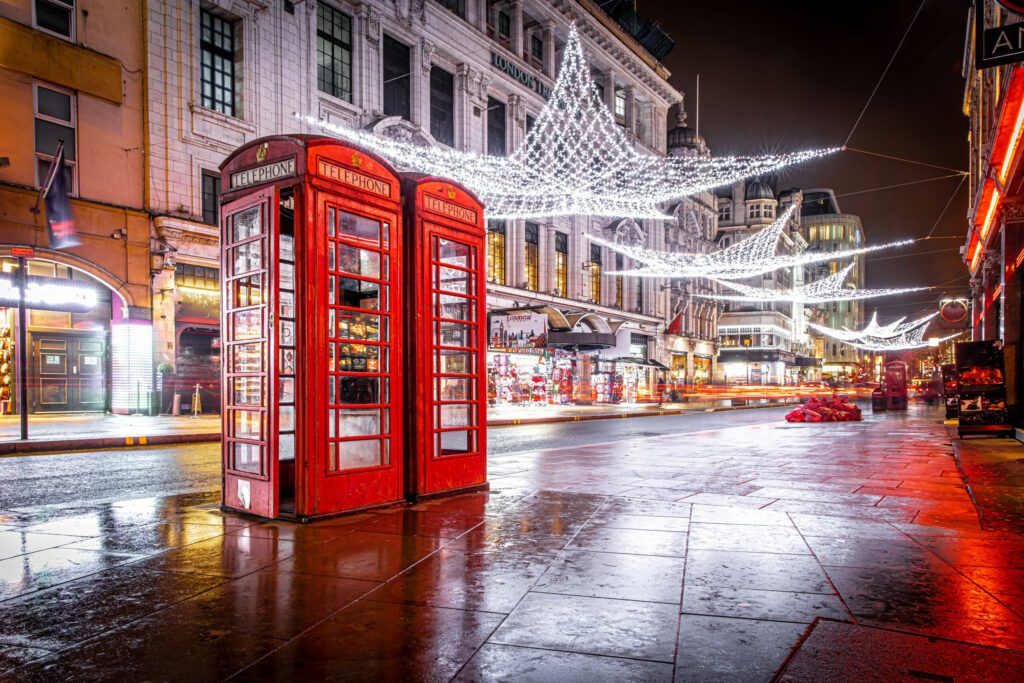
792	75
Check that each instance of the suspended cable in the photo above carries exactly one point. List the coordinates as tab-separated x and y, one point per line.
920	253
884	72
905	160
890	187
946	207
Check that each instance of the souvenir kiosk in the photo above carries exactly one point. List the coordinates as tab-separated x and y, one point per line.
446	352
312	328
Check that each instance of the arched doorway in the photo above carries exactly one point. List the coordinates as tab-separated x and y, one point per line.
72	354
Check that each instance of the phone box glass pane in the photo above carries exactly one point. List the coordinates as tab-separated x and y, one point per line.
363	453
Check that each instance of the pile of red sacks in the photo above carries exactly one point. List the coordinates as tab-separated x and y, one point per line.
818	409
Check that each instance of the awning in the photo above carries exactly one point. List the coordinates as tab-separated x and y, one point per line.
634	361
580	341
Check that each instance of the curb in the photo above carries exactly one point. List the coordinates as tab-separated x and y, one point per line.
111	442
646	413
9	448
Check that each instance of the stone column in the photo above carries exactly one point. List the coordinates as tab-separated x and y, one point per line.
991	267
369	51
517	28
549	48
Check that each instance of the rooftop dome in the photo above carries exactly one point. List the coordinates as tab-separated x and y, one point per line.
757	189
682	136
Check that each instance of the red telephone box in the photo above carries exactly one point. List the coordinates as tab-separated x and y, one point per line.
312	328
896	385
446	359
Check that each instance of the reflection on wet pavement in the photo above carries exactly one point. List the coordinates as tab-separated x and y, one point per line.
699	557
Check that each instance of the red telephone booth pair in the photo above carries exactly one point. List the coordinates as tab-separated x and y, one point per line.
352	322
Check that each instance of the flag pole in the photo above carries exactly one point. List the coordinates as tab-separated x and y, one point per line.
58	156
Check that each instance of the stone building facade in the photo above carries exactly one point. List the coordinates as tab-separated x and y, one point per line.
470	74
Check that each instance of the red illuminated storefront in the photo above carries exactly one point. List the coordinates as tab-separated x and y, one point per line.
351	374
994	248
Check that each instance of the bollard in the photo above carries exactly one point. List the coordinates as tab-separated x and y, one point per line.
197	404
176	404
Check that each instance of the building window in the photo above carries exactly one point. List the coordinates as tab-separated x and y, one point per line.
334	52
724	212
755	211
769	211
504	29
211	191
595	273
638	345
530	121
599	86
537	50
442	106
561	264
620	284
620	105
196	277
55	120
640	295
456	6
496	251
217	54
56	16
397	83
495	127
532	239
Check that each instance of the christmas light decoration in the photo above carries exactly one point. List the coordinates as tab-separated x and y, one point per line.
746	258
896	336
825	290
575	160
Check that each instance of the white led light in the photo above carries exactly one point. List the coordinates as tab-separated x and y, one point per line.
896	336
575	160
746	258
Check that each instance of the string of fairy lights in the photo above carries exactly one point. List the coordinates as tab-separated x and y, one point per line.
577	161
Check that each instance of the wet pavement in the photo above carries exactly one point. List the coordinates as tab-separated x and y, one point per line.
86	478
730	553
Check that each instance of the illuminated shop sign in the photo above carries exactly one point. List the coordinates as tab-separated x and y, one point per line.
263	174
49	294
531	82
998	45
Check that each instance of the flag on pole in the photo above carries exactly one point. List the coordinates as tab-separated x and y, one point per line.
60	223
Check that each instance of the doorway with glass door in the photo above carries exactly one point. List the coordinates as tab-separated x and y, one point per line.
68	373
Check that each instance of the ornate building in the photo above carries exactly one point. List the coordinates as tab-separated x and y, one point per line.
763	343
469	74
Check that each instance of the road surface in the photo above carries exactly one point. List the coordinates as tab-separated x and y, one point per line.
89	478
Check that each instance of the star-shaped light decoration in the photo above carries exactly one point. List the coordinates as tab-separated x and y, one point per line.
576	160
825	290
896	336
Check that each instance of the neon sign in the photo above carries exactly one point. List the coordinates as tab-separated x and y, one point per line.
49	294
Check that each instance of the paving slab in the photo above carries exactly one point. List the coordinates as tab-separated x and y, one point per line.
841	652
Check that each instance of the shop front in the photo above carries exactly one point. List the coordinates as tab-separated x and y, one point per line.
756	367
541	356
79	355
196	371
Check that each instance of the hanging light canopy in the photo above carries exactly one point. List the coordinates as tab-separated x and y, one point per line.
746	258
825	290
576	160
896	336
